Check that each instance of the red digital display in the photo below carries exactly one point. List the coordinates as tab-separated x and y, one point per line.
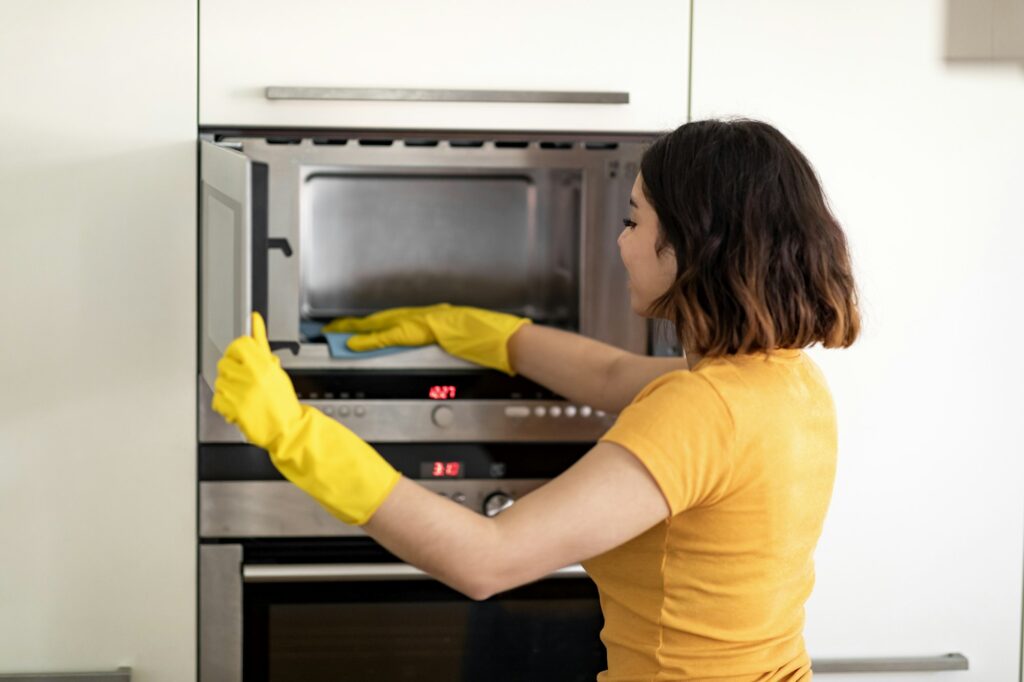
440	469
441	392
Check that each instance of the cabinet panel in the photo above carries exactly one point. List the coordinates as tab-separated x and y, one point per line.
640	49
97	433
922	548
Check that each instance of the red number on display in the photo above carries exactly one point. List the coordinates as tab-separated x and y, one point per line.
451	469
437	469
441	392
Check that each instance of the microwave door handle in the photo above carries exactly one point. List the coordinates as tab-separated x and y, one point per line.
292	573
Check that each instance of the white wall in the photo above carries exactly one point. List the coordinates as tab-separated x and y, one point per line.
924	163
97	272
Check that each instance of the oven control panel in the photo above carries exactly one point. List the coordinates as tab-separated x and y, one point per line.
398	421
275	509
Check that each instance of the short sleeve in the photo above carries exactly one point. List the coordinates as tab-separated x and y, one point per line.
681	430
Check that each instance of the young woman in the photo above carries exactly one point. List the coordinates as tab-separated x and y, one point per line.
698	512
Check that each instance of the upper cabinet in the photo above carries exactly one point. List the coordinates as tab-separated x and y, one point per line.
260	62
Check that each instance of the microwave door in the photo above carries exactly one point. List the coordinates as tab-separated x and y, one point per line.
230	209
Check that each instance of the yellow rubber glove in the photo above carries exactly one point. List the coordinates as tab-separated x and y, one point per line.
316	453
473	334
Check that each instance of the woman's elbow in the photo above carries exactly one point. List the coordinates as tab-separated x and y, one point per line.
479	588
483	585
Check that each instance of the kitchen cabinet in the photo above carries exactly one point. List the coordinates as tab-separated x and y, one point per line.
639	49
922	549
97	273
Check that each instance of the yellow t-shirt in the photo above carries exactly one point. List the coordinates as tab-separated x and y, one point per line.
744	450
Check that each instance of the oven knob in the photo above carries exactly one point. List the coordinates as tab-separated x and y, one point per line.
497	503
443	416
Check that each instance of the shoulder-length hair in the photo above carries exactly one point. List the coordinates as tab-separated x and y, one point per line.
761	263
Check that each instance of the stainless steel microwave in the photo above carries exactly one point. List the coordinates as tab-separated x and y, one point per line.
305	227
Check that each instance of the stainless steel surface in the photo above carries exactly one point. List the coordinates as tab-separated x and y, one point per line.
220	613
606	177
239	509
437	95
212	427
406	421
464	421
890	665
122	674
502	239
294	573
497	503
226	246
316	356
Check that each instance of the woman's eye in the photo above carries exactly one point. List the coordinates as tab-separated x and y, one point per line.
629	223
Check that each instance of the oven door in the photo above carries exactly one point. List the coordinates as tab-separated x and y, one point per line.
372	617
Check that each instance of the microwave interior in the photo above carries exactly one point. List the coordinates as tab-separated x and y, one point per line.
502	240
307	229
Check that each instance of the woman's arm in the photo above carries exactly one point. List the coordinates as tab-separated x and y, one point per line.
584	370
603	500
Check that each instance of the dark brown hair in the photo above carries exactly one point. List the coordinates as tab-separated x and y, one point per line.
761	263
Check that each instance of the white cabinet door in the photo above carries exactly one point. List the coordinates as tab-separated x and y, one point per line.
98	370
922	548
639	48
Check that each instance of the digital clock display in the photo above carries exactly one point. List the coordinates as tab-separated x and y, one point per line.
442	469
441	392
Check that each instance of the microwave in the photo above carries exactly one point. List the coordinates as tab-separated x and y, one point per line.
307	226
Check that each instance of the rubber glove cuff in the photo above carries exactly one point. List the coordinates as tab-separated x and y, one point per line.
336	467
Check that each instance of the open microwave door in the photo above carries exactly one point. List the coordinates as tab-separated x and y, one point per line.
226	248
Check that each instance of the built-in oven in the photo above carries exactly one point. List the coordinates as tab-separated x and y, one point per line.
289	594
305	226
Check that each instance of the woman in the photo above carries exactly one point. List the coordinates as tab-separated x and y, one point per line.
698	512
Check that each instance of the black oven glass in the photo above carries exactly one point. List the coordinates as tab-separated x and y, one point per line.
420	630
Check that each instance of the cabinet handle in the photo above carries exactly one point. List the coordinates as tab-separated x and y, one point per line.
422	95
357	572
119	675
889	665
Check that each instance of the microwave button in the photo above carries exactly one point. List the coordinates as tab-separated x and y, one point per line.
570	410
460	498
328	410
585	411
443	416
359	411
343	411
517	411
540	411
555	411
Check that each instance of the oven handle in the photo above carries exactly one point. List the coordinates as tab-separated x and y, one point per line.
313	573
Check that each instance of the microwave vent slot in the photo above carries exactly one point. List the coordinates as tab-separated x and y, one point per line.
332	141
602	146
556	145
376	142
511	144
421	143
284	140
473	144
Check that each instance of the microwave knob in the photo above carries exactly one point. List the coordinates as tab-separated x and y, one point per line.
497	503
443	416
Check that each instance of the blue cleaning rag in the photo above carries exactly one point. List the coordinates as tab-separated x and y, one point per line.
337	343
